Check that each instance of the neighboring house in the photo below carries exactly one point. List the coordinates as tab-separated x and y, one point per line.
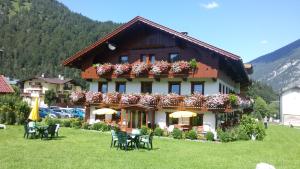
37	87
143	41
290	106
5	87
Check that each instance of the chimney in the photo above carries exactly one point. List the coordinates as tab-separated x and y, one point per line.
184	33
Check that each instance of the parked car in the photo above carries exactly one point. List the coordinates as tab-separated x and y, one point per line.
44	112
78	113
55	113
67	112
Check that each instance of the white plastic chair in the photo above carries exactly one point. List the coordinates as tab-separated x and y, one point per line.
56	129
170	128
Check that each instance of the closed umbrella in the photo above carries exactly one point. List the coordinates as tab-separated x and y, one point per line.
104	111
34	114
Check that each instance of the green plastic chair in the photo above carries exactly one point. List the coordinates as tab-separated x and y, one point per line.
123	141
147	139
114	138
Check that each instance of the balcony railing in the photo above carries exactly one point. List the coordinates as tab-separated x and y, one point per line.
156	70
196	102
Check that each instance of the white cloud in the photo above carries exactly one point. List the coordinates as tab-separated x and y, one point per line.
211	5
264	42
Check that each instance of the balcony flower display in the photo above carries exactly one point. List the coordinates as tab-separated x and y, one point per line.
217	101
77	97
244	103
180	67
120	69
93	97
111	98
104	68
196	100
149	100
170	100
160	67
140	68
130	98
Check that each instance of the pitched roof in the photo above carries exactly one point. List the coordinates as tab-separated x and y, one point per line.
50	80
154	25
4	86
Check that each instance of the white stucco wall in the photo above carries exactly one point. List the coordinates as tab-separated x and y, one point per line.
290	107
160	119
209	118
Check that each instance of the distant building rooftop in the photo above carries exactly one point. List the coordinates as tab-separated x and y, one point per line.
4	86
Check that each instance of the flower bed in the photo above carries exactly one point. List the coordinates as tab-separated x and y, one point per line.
160	67
140	68
93	97
217	101
180	67
196	100
149	100
120	69
170	100
111	98
130	98
104	69
77	97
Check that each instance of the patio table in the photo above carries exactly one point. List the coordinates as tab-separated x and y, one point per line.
135	139
42	130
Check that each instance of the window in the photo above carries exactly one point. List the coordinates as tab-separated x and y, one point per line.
227	91
152	59
174	87
220	88
197	87
144	58
223	91
102	87
121	87
146	87
124	59
173	57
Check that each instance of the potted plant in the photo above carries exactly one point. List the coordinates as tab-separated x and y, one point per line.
196	100
171	99
193	64
216	101
111	98
77	97
149	100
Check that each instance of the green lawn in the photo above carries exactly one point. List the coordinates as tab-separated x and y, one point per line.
89	149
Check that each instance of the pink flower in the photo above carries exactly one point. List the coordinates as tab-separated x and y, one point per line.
121	69
180	66
93	97
104	69
160	67
77	97
139	68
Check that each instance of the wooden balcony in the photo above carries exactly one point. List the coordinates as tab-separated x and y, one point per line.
91	73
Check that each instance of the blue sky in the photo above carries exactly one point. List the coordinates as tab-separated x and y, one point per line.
246	28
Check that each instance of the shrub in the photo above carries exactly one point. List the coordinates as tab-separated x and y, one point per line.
76	123
224	136
66	123
177	134
97	126
52	121
209	136
252	127
193	63
233	99
158	131
144	130
85	126
192	134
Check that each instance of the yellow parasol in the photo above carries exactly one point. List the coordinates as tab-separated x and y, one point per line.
180	114
104	111
34	114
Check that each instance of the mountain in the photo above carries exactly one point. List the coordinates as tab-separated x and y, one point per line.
37	35
279	69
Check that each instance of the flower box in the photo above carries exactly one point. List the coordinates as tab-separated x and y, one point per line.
180	67
121	69
196	100
170	100
77	97
217	101
140	68
104	69
160	67
111	98
149	100
130	98
93	97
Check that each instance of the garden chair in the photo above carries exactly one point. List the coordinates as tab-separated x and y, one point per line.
147	139
56	129
29	131
114	138
123	141
50	131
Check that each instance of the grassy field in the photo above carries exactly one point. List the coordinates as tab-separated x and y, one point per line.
89	149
